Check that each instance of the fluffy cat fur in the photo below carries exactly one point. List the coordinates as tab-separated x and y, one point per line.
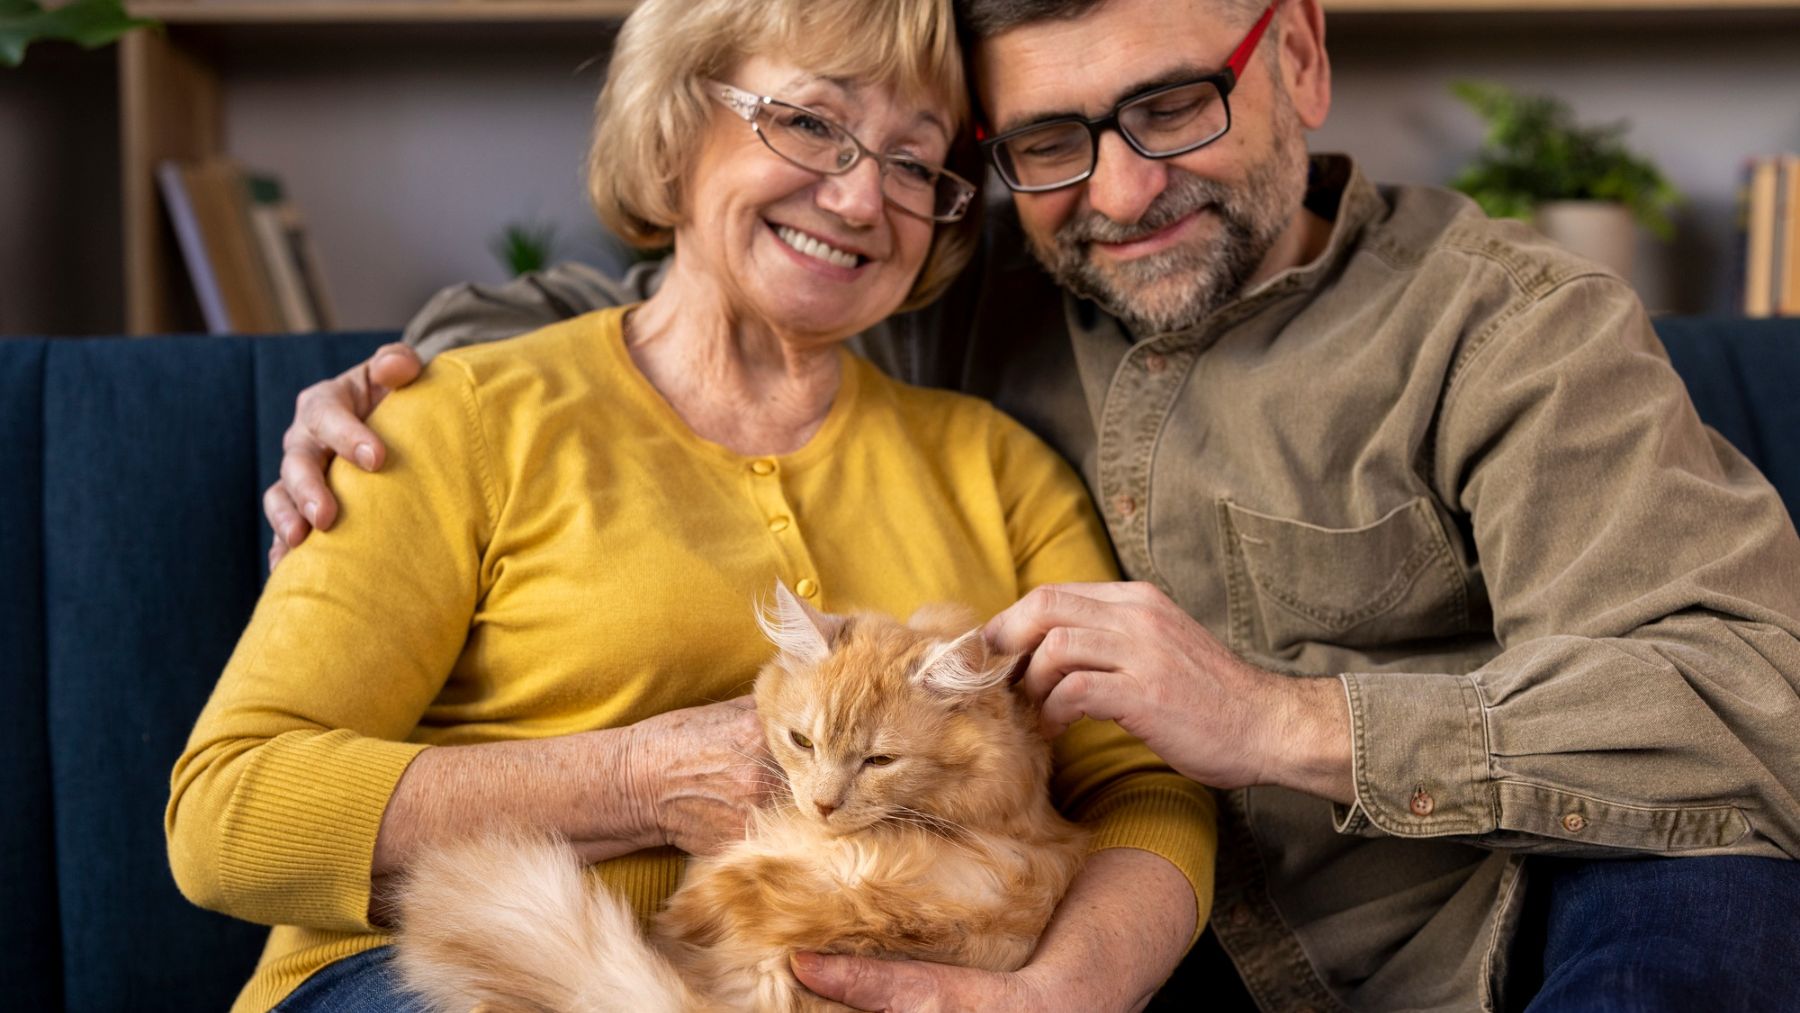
914	821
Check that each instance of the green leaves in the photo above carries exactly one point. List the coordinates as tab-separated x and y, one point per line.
87	23
523	247
1536	152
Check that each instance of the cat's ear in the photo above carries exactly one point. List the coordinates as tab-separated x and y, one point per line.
800	632
963	666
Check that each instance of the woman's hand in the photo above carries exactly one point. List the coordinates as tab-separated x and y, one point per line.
1114	939
328	422
702	770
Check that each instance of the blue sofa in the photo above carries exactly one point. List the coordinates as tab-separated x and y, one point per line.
133	551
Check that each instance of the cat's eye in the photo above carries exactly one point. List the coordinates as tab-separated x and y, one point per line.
800	740
878	761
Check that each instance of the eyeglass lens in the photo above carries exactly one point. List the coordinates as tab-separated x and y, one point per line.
813	142
1159	124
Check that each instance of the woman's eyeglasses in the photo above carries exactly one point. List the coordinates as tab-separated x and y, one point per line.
813	142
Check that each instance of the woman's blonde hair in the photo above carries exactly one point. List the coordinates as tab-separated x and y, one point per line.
653	113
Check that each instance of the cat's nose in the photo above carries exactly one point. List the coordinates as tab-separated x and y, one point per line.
825	809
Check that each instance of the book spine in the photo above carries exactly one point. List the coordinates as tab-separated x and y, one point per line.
193	247
1759	257
1789	301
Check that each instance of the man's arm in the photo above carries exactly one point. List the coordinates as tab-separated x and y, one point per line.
1642	581
1641	575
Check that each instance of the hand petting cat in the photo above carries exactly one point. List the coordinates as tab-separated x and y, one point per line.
1125	652
703	770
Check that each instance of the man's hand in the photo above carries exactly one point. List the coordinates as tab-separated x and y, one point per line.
915	986
1125	652
702	770
328	421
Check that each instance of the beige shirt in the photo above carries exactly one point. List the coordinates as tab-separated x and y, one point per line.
1450	464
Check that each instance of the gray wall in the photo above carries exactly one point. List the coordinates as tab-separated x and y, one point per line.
409	154
1702	95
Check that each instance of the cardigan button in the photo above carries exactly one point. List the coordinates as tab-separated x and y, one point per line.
762	466
807	587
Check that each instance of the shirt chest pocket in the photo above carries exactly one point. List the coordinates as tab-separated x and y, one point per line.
1386	583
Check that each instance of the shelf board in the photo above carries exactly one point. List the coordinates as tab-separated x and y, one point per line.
339	12
288	12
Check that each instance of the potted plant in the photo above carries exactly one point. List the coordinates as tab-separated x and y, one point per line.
89	23
1579	185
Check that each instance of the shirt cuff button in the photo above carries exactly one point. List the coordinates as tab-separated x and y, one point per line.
1422	803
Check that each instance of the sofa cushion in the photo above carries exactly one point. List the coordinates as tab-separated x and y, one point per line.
1743	375
30	958
155	455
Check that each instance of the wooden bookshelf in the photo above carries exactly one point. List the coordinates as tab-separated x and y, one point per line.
172	91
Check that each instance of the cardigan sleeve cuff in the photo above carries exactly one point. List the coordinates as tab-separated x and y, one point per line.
298	836
1167	815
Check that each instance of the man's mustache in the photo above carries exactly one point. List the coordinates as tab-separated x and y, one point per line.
1184	195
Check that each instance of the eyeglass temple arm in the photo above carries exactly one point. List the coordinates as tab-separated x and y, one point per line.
1241	56
738	100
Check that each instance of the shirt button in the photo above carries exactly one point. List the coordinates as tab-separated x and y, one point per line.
807	587
1422	803
1156	362
779	523
1574	823
763	466
1239	915
1125	505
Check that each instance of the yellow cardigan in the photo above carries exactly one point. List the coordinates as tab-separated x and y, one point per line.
551	550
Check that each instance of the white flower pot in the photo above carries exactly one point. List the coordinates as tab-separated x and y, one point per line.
1602	231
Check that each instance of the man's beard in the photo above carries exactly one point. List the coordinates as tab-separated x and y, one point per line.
1176	288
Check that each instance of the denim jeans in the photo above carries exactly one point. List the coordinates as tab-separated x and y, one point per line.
1656	935
1675	934
364	983
1669	935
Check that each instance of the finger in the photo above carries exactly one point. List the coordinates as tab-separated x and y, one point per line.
747	702
303	478
1021	628
277	550
1080	695
392	366
862	982
331	417
284	517
1067	649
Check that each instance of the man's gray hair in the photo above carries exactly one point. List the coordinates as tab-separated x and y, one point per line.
985	19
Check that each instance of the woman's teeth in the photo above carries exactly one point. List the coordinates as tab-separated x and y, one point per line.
814	248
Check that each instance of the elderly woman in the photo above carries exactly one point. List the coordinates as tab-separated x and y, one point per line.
541	611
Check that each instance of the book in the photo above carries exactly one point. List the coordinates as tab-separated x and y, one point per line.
288	256
188	236
1759	229
1787	302
209	206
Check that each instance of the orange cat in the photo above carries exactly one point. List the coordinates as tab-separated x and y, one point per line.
916	823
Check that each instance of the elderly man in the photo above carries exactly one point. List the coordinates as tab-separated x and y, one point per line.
1441	580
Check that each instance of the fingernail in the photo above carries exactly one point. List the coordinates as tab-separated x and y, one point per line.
365	456
311	510
808	962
